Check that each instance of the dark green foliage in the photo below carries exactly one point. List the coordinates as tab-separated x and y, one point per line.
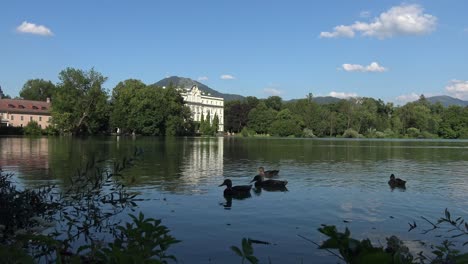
18	208
261	118
365	116
38	90
120	103
274	102
144	240
286	124
85	211
150	110
247	251
33	129
355	251
80	105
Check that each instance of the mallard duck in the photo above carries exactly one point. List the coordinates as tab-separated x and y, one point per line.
259	182
396	182
268	173
235	190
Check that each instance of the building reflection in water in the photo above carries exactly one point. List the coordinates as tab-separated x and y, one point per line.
203	160
18	154
26	158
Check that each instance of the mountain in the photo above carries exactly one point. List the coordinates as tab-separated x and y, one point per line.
447	100
181	82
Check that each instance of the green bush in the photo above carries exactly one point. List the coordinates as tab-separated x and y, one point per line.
413	132
33	129
351	133
308	133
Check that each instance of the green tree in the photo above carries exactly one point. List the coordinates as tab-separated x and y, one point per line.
215	124
122	94
236	113
80	105
260	118
274	102
37	89
286	124
32	128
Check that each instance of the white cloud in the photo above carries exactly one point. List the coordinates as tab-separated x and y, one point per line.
458	89
405	98
373	67
227	77
398	20
342	95
32	28
202	78
272	91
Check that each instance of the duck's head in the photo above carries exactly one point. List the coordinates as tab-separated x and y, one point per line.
226	182
392	177
257	178
261	171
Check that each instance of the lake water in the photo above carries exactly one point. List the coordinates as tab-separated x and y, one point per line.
339	182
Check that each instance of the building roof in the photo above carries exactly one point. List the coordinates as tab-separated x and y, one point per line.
24	106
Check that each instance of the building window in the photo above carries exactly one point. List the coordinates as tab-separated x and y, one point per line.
43	108
21	106
40	118
12	117
22	118
35	107
30	118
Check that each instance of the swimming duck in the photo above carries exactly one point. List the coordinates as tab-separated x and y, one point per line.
268	173
235	190
259	182
396	182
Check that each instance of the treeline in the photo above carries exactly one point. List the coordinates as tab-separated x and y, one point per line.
80	105
355	117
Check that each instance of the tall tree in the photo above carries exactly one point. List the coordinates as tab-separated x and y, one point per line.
260	118
122	94
274	102
37	89
80	105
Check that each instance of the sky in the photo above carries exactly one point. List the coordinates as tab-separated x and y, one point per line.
391	50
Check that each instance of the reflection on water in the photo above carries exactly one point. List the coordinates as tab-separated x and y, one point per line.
340	182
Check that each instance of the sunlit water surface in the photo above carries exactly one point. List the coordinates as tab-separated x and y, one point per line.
339	182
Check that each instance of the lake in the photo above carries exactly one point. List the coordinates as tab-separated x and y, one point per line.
331	181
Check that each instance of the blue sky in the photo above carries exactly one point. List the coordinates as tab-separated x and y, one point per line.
390	50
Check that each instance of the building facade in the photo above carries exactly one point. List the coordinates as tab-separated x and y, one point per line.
201	103
18	113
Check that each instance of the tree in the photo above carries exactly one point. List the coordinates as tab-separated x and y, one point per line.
260	118
215	124
37	89
274	102
122	94
80	105
286	124
32	128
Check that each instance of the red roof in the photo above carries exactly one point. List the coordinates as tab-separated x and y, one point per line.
24	106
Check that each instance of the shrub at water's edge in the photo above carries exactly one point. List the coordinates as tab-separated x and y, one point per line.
49	225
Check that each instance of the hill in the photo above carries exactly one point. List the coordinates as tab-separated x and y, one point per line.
187	83
446	100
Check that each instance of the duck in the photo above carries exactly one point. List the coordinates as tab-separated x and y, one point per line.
260	182
396	182
235	190
268	173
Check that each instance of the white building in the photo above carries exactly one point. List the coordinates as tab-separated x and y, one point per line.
202	103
